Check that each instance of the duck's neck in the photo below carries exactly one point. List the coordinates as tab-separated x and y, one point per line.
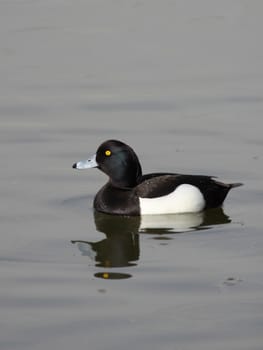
127	177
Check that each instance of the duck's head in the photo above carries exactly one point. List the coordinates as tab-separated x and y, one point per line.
117	160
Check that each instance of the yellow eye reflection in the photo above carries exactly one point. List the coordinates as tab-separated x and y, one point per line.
107	153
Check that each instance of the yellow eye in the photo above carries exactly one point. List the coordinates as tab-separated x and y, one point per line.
107	153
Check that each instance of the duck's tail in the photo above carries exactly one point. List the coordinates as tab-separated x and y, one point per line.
236	184
219	192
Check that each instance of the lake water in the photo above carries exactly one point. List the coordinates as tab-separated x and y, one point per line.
182	83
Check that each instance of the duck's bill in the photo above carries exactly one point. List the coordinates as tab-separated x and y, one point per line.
86	164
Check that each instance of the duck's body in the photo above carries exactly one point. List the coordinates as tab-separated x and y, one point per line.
128	192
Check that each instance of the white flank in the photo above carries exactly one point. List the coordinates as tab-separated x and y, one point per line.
185	199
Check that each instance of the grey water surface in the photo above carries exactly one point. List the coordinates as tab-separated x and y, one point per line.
182	83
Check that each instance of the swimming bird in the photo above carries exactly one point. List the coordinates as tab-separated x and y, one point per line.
129	192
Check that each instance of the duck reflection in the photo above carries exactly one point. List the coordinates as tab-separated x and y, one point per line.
180	223
121	247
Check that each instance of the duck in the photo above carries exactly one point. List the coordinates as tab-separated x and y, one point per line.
130	193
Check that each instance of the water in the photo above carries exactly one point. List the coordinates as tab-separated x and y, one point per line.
181	82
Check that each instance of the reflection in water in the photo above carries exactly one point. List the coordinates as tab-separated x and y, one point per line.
172	223
112	275
120	248
180	223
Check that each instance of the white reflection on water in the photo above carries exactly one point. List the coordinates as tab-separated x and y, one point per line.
172	223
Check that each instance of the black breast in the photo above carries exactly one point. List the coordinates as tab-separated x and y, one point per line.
113	200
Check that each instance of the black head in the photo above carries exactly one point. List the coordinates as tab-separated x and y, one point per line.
119	162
